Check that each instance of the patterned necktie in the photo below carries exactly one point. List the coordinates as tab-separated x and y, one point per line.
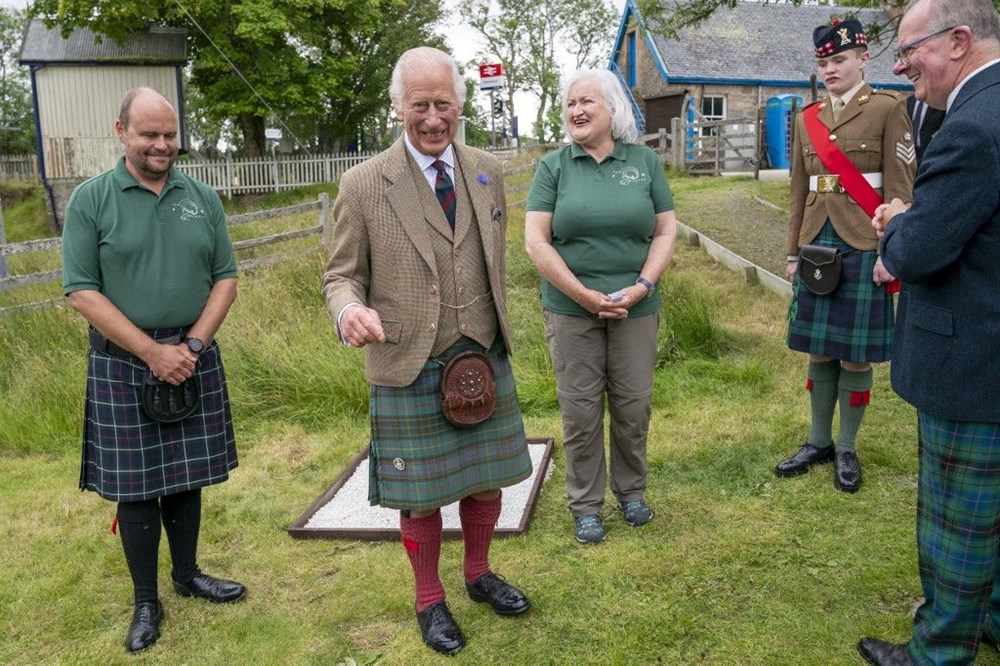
838	106
919	109
445	191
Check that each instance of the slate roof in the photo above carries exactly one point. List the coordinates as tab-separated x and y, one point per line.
758	43
157	45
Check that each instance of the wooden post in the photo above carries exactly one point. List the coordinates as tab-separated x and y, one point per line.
663	145
324	220
229	177
678	144
3	241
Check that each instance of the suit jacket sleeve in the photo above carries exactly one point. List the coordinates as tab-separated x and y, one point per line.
348	270
799	189
899	161
956	193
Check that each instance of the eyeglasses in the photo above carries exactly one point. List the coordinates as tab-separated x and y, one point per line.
904	52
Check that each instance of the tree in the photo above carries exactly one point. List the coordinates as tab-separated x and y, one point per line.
523	35
17	121
310	61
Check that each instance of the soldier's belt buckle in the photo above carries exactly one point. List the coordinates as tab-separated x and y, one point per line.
830	183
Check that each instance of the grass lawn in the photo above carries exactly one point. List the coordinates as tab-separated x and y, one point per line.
738	567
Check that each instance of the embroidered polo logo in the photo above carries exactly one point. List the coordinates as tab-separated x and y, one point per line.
188	210
629	176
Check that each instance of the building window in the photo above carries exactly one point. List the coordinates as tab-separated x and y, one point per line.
713	107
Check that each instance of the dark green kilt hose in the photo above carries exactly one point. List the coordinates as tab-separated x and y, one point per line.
128	457
855	322
418	461
958	543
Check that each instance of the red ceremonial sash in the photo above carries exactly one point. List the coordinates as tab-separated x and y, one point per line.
837	163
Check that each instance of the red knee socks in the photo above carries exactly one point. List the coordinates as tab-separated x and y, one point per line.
422	539
479	519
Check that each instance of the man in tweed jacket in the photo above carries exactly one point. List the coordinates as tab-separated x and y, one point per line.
945	248
417	275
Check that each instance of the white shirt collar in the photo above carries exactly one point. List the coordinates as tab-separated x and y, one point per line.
954	93
425	161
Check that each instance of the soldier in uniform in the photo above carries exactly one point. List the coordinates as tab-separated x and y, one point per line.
852	150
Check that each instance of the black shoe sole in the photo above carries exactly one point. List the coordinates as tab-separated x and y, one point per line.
846	489
479	599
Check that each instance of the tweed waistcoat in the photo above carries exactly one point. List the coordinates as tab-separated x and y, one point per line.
466	303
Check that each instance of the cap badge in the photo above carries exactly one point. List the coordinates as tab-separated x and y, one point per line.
845	38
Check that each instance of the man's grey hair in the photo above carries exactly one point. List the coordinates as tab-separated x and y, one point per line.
979	15
623	127
423	58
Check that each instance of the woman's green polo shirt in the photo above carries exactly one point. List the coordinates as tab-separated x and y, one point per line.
603	217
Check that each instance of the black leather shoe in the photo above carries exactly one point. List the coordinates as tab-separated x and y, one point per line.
214	589
504	597
883	653
803	459
847	474
145	627
439	630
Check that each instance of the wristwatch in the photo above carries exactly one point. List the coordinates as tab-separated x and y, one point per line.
650	287
194	344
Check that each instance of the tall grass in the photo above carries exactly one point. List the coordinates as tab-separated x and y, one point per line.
738	567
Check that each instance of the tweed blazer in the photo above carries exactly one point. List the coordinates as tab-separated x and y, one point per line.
875	133
946	250
381	254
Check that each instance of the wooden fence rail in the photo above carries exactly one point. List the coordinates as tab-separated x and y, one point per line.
323	229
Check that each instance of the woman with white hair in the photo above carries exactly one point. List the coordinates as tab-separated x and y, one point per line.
600	227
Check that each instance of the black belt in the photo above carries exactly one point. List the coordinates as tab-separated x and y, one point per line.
102	344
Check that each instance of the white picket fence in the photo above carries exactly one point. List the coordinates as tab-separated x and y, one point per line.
270	174
18	169
227	176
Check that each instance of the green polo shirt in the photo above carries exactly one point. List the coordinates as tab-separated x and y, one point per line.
155	257
603	217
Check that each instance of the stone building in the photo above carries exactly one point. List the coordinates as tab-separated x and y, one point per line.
728	66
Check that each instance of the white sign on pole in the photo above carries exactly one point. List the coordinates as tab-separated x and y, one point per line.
272	133
491	76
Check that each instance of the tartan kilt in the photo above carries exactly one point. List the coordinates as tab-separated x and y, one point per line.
418	461
128	457
958	509
855	322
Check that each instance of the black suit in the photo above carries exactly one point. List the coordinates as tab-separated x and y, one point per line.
928	126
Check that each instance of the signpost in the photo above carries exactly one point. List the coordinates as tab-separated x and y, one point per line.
491	79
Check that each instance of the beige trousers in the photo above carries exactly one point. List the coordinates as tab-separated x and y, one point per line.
593	357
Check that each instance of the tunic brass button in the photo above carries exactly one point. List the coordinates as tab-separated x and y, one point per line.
833	137
864	145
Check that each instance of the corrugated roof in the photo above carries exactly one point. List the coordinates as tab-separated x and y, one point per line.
157	45
766	43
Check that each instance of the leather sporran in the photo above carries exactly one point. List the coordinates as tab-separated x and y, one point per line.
167	403
820	268
468	389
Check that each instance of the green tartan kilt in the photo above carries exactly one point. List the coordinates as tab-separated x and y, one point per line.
855	322
418	461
